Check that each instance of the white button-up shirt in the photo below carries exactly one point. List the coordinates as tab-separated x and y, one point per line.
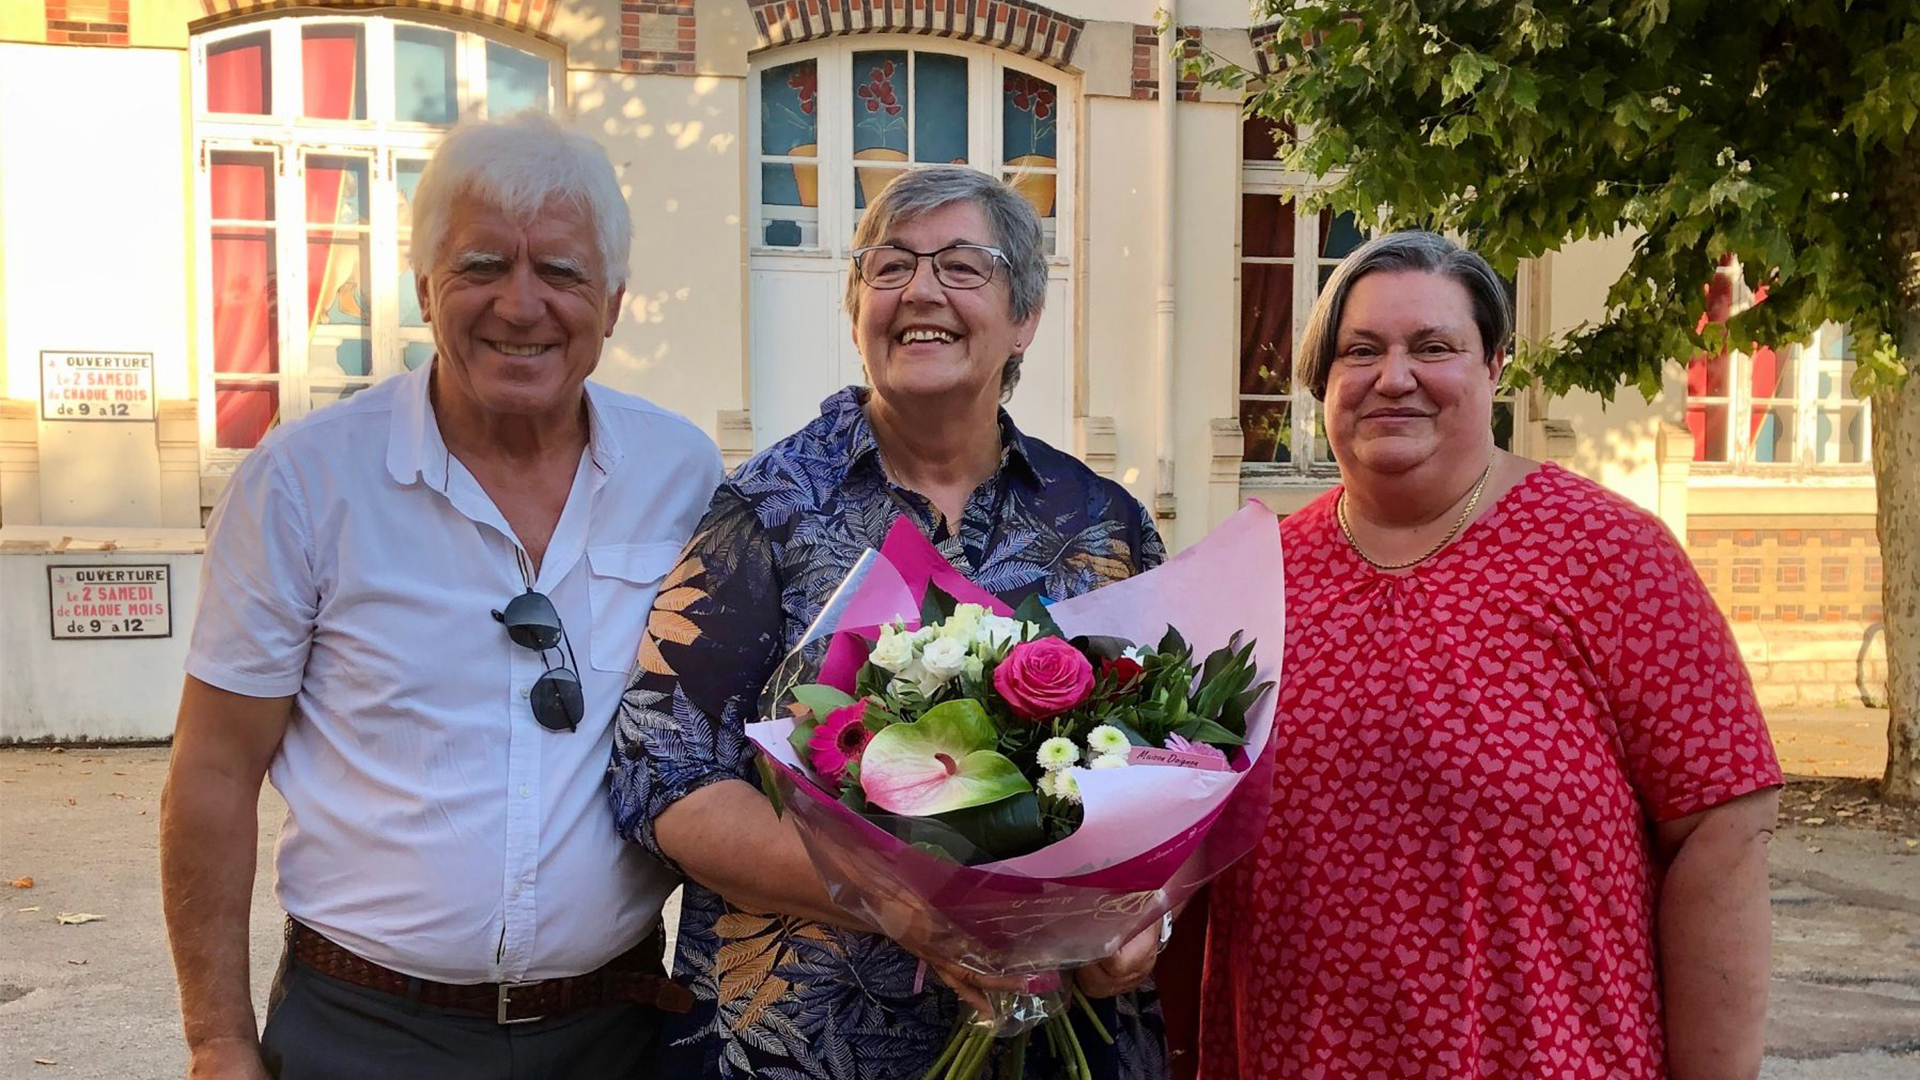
433	825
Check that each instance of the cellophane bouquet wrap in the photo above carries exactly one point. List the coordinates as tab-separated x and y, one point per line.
1022	792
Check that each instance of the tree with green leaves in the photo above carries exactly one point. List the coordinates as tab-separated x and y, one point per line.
1776	137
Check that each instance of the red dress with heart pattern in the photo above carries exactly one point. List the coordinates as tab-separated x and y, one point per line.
1456	879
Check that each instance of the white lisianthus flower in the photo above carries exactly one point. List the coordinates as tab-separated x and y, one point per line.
974	668
1107	739
894	650
923	635
943	658
1109	761
997	631
964	624
1057	753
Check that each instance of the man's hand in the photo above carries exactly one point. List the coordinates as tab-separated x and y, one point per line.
226	1059
1124	970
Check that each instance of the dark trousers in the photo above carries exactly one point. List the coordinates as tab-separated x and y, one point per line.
320	1028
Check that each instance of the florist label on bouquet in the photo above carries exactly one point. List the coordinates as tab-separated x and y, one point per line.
1153	755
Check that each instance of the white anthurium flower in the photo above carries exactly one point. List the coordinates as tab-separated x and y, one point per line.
943	658
894	650
1057	753
1109	761
998	632
1107	739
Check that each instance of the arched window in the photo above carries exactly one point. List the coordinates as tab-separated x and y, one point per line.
311	133
833	124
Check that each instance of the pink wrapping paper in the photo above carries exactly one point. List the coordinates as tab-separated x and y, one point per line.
1153	833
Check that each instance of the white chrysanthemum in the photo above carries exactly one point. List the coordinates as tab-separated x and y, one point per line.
1066	787
1107	739
1109	761
1057	753
943	658
894	650
1046	784
997	631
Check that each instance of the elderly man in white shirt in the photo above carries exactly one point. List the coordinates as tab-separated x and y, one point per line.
418	612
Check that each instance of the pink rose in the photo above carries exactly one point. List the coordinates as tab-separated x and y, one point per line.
1044	678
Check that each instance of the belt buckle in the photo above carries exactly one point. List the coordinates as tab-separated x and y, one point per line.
503	998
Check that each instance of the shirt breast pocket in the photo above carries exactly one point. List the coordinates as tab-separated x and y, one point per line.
621	583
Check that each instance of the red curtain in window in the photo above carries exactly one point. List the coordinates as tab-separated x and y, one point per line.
327	64
244	325
1707	374
1266	296
237	78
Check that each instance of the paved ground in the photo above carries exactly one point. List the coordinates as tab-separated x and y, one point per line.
96	1000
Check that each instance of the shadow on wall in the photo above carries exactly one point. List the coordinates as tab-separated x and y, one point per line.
669	140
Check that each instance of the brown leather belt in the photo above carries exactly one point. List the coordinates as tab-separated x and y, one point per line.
633	976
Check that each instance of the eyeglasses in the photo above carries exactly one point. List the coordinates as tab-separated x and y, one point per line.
957	266
532	623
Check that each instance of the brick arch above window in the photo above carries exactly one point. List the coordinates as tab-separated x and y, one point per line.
1017	26
532	17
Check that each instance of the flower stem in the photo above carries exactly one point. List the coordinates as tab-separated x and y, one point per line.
1080	998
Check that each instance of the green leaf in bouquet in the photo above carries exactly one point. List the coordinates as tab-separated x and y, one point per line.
937	606
821	698
1034	610
767	785
943	761
801	736
1101	646
1000	830
1202	730
1233	716
1172	644
877	716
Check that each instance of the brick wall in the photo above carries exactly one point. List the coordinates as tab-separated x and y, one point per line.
1146	63
1759	571
87	22
657	36
1015	25
1804	601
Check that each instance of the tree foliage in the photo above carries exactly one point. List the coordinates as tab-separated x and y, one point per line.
1769	131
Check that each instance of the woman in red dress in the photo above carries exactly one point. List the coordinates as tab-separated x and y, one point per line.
1524	791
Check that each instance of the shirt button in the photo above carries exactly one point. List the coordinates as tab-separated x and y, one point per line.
526	792
514	892
525	694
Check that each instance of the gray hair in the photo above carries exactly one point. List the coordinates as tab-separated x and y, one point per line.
519	165
1016	232
1410	250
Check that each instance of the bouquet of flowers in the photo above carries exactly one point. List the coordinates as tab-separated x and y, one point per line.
1022	791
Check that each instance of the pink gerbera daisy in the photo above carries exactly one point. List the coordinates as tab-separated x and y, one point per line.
838	741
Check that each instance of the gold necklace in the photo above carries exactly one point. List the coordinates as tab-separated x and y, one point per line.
1473	500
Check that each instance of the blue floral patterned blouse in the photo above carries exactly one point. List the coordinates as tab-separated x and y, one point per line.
783	998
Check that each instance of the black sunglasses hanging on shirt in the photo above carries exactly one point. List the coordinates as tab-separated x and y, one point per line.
557	699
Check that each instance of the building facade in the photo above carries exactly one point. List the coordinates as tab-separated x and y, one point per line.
204	232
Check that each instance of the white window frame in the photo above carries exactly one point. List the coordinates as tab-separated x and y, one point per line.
834	165
293	139
1807	403
1272	178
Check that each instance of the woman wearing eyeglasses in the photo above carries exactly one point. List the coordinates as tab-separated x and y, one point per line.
945	293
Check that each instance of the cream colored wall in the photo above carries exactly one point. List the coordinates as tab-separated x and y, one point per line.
1206	354
162	24
1615	443
23	20
676	143
94	254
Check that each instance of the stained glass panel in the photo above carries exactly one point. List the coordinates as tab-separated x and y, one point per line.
879	105
1029	120
789	100
1708	423
940	108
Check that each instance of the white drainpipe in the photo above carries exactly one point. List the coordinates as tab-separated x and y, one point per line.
1163	384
